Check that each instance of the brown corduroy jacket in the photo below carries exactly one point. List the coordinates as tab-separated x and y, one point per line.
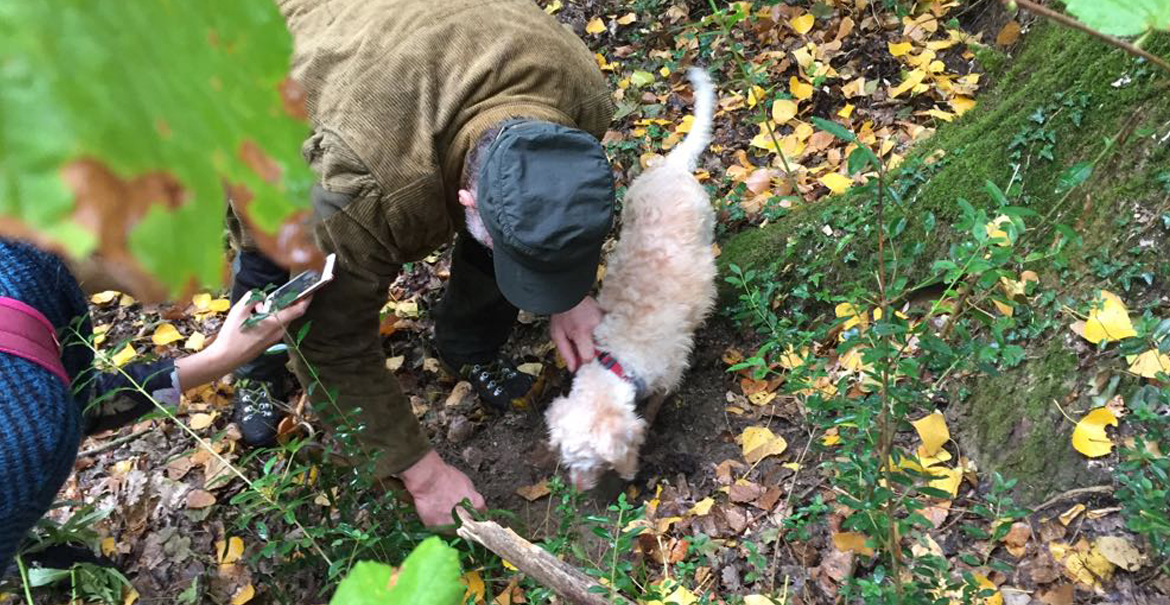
397	92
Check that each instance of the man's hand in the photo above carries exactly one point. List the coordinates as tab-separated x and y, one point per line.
572	331
437	488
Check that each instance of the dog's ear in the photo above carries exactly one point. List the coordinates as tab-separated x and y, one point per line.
618	435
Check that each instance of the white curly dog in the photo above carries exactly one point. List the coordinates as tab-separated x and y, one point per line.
659	286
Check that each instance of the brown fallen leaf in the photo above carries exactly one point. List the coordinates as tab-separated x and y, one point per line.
1008	35
1058	595
1016	540
851	541
535	492
199	498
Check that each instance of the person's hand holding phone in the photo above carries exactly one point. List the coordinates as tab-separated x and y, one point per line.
238	342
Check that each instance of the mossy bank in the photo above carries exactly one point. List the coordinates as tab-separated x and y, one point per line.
1059	100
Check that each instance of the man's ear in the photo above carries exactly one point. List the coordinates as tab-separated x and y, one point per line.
467	199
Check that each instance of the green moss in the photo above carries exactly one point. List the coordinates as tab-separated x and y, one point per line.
992	60
1012	424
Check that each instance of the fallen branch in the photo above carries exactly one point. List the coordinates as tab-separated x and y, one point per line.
562	578
1067	21
109	445
1075	493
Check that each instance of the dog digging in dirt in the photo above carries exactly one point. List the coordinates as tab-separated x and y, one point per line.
659	286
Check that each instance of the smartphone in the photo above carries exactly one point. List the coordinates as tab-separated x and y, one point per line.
300	286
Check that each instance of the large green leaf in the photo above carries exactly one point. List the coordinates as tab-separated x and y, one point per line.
122	122
1122	17
429	576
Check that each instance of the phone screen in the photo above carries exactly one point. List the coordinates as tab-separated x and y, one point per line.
286	294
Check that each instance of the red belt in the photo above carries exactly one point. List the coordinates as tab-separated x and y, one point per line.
26	333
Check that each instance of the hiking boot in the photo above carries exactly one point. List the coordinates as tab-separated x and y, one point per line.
261	388
257	413
501	386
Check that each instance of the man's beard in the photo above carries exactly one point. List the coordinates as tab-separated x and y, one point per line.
476	227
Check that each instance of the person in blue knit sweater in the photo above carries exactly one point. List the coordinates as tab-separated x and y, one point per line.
50	394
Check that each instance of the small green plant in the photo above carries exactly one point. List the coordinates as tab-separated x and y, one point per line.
1144	471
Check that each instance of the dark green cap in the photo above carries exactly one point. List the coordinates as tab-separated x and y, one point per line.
546	196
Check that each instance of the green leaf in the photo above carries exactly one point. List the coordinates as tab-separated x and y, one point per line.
1122	17
429	576
142	112
1074	176
641	78
835	129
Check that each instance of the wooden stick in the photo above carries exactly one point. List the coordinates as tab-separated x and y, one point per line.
1075	493
1067	21
109	445
567	581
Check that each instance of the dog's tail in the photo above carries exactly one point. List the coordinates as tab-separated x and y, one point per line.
688	151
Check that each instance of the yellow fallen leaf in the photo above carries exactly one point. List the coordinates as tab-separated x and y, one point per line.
230	551
124	356
595	26
1089	436
474	583
790	359
220	305
701	508
784	110
962	104
987	584
196	342
762	397
1108	320
803	23
126	300
201	421
685	126
244	594
852	541
1067	516
994	231
756	599
846	111
836	182
914	78
800	90
852	361
627	19
109	546
900	48
948	479
755	95
201	301
759	442
1120	552
933	431
1004	308
1082	563
1149	364
553	7
131	597
681	595
102	298
165	334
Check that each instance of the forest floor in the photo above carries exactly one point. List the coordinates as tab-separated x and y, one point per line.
891	79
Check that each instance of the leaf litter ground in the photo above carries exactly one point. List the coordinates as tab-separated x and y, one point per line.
726	456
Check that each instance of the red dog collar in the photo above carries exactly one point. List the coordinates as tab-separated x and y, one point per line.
611	363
